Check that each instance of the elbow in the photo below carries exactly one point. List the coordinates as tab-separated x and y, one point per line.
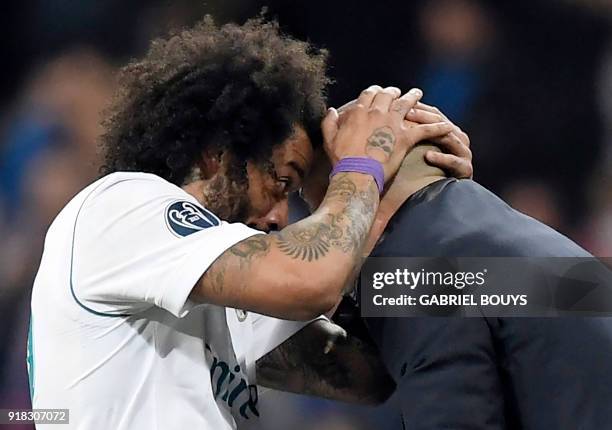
310	290
316	303
323	302
316	297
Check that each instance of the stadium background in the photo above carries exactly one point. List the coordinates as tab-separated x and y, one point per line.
531	82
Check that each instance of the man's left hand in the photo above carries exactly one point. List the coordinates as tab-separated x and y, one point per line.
457	158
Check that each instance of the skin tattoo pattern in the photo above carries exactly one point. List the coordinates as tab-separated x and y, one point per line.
251	247
345	230
244	252
350	211
226	198
383	139
308	244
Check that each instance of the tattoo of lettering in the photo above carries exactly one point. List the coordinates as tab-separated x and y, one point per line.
345	231
382	138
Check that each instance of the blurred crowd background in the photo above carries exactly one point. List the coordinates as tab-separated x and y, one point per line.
529	80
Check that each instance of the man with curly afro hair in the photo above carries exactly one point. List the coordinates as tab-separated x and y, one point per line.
148	306
209	90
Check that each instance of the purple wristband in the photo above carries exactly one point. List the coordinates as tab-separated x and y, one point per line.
366	165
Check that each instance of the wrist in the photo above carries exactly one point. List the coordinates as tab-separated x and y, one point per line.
362	165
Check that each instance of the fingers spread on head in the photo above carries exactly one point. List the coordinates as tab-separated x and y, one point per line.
465	139
429	108
383	100
429	131
452	144
423	116
453	165
420	106
347	106
329	125
406	102
367	96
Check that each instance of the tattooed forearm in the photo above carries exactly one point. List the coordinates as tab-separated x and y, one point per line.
350	212
296	262
349	371
383	138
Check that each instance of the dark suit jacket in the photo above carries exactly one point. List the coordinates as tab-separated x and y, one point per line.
490	373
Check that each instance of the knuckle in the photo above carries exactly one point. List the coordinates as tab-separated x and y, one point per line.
409	98
447	141
455	140
392	90
368	92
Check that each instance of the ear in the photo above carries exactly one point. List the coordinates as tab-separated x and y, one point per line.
210	163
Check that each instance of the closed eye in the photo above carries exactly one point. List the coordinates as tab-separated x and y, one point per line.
285	183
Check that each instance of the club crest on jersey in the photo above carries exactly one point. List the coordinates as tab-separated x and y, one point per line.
184	218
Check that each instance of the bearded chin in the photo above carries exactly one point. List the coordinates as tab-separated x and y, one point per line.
227	198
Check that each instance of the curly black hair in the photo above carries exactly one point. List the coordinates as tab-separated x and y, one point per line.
236	88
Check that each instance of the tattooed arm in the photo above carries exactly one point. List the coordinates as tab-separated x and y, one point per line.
322	360
299	273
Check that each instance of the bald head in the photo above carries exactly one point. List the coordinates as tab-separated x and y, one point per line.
413	175
415	167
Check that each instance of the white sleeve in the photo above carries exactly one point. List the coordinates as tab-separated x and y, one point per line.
269	333
144	242
254	335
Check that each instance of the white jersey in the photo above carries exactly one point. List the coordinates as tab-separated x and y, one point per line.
114	337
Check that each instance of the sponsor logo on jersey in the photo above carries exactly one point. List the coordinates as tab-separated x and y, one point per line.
184	218
230	387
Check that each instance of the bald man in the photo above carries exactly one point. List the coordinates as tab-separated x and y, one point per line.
482	373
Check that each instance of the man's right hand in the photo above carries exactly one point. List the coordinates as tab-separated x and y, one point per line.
374	127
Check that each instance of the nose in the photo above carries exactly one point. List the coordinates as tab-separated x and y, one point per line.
275	219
